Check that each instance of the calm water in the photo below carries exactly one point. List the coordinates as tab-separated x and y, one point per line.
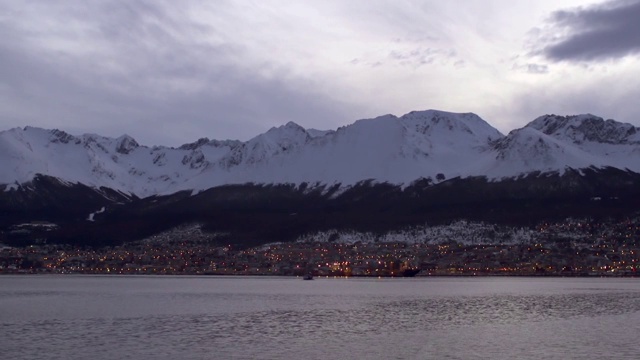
103	317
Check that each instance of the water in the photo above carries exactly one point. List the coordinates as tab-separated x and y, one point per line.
107	317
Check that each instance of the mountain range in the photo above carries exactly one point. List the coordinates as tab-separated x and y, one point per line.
423	166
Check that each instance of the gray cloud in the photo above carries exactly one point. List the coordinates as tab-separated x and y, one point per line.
531	68
421	56
141	68
606	31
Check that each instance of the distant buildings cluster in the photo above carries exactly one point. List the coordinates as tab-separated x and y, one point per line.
571	248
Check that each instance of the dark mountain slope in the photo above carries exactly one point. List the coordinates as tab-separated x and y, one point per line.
255	214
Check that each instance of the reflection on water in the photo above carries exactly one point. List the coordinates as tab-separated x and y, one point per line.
223	318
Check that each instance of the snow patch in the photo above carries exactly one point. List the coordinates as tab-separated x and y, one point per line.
462	232
93	214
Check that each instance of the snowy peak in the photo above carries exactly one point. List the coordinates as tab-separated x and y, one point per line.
278	140
528	149
204	142
395	149
435	122
125	144
62	137
288	134
586	128
194	145
556	143
440	133
433	126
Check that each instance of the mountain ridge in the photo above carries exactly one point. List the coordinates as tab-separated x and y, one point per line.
428	144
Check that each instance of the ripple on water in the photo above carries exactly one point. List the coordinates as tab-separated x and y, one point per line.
351	322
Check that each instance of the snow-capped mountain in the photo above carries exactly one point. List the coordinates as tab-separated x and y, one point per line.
587	128
557	143
399	150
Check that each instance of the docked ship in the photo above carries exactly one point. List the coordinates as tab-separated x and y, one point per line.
409	272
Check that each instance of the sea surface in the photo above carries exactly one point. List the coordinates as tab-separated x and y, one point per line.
164	317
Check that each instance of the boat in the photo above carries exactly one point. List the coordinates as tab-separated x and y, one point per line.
308	277
410	272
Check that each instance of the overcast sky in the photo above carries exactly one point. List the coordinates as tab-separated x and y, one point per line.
170	72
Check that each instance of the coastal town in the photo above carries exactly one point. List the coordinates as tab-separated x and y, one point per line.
571	248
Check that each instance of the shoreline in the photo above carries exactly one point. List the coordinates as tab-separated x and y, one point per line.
418	276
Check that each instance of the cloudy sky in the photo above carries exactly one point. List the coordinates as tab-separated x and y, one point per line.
169	72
